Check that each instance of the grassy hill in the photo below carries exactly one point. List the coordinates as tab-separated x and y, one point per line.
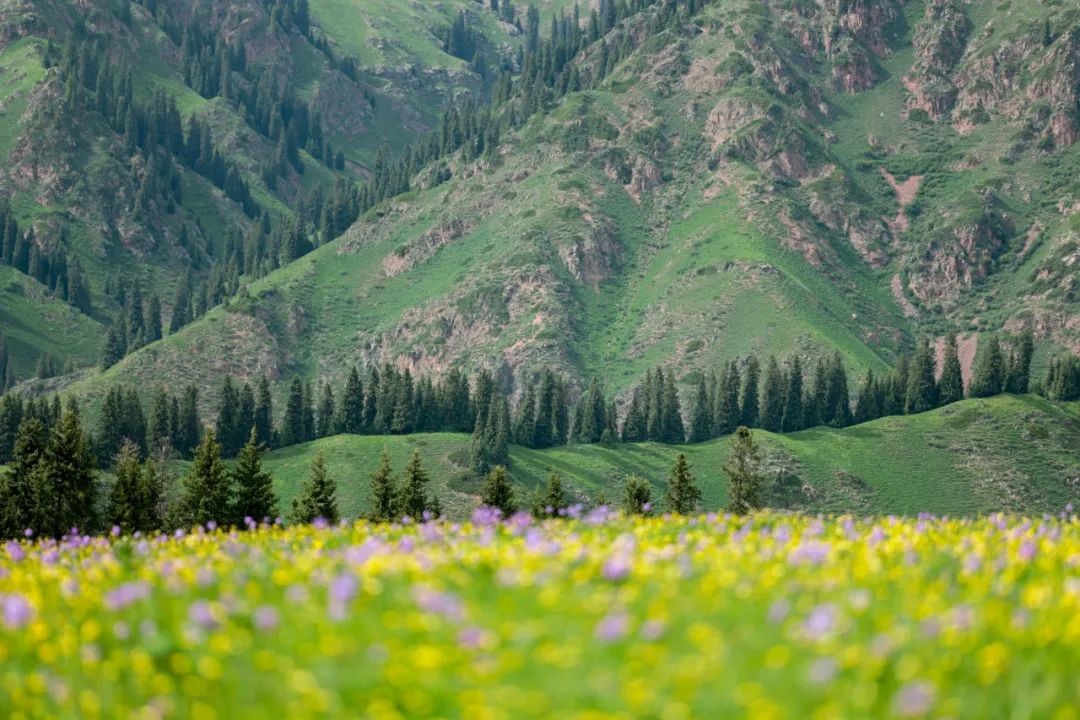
1008	453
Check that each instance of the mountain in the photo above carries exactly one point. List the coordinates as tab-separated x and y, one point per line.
660	182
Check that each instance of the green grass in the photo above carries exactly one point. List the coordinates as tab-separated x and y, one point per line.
978	456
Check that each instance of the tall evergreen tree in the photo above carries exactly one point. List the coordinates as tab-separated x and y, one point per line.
318	498
682	495
743	469
951	385
352	404
230	433
837	405
255	497
922	389
792	418
748	408
160	432
726	418
772	397
68	493
327	413
552	502
128	498
1018	378
413	495
18	494
292	428
701	418
264	413
207	491
153	319
384	500
989	376
189	429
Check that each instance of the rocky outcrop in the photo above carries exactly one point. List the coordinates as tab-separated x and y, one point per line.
939	42
593	258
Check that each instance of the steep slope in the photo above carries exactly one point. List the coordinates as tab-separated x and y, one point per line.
278	95
757	177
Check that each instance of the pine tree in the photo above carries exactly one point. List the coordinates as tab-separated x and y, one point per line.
671	413
922	389
743	468
188	429
772	397
229	430
989	376
868	403
318	498
153	319
951	385
18	494
68	494
682	495
207	492
384	501
255	496
792	418
1018	379
701	420
159	435
525	422
127	498
636	496
292	429
498	492
413	495
748	407
837	405
352	404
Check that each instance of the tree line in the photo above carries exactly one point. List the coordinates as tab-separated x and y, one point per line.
52	487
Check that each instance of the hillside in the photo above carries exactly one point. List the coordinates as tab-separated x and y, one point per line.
1008	453
746	179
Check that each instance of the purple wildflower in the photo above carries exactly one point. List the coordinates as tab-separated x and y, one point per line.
266	618
822	671
613	627
1027	550
441	603
652	630
28	532
809	553
778	611
471	638
202	615
115	532
17	610
15	551
914	699
821	621
126	594
343	589
485	516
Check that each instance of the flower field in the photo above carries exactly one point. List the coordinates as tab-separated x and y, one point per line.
773	616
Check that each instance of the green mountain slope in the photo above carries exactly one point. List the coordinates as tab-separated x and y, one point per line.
1008	453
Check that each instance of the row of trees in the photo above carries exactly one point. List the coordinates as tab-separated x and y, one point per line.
46	262
52	485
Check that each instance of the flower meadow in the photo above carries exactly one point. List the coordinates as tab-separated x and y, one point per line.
768	616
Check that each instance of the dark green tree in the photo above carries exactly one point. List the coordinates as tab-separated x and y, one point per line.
264	413
128	497
207	492
553	500
18	494
792	418
1018	378
318	497
701	418
743	469
951	385
922	388
989	376
68	493
255	497
636	495
748	407
772	397
292	428
413	495
498	492
682	495
352	404
384	500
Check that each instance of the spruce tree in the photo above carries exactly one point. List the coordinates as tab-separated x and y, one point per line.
868	403
352	404
384	502
989	376
701	419
292	428
153	320
413	495
159	433
127	496
68	495
951	385
326	414
18	494
207	492
682	495
1018	379
922	388
792	417
498	492
743	469
318	498
188	429
525	421
636	495
837	401
671	413
229	431
772	397
748	404
255	496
